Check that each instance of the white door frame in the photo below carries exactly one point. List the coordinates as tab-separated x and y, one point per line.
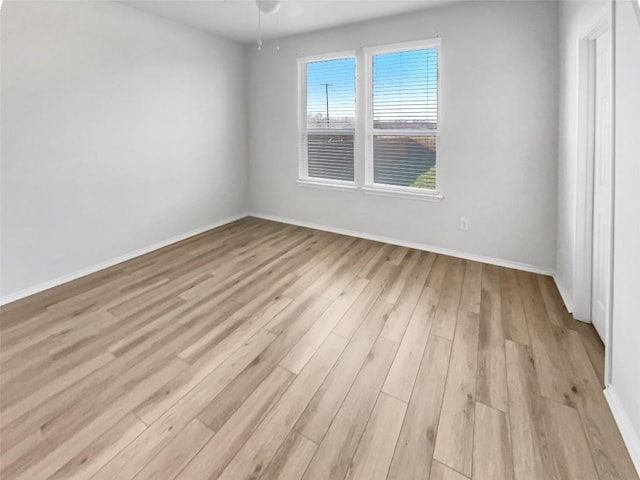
583	261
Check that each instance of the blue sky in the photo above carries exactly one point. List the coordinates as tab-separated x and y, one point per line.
340	75
413	73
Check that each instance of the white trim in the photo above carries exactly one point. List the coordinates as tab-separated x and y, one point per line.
427	132
564	293
599	24
12	297
403	46
583	241
402	243
629	435
407	192
352	233
327	184
584	183
303	164
608	348
323	57
330	131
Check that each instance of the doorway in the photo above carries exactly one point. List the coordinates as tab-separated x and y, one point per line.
594	229
602	176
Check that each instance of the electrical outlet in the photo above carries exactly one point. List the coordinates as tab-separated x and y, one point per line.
464	223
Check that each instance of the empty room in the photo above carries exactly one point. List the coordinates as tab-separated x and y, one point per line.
319	239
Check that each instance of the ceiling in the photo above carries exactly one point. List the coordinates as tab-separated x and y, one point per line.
238	19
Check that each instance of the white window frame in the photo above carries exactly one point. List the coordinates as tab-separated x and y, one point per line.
303	166
392	190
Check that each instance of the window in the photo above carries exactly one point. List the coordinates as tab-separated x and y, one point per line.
395	144
402	118
327	124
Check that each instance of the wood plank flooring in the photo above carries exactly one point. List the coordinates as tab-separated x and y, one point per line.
267	351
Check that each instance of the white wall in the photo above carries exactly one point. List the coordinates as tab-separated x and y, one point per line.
625	375
119	130
575	20
498	140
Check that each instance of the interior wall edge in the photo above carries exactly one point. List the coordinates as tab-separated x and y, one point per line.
629	435
12	297
415	245
564	293
41	287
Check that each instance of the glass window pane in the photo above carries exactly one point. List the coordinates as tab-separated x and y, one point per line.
405	161
330	156
405	90
331	94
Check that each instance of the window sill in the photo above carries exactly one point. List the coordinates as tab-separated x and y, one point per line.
342	187
389	192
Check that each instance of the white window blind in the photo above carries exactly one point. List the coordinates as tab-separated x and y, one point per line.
328	123
402	129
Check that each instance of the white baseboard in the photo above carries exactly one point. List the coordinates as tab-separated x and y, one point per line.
629	435
417	246
564	293
12	297
352	233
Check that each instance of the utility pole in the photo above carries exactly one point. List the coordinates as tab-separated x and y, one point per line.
326	96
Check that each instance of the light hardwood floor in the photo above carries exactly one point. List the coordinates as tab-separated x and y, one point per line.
266	351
